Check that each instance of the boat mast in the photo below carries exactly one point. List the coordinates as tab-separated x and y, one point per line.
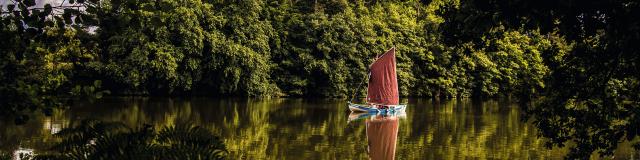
356	90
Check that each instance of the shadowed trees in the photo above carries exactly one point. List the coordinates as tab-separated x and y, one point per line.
592	93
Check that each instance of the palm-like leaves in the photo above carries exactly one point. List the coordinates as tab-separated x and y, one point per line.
93	139
4	156
86	133
190	142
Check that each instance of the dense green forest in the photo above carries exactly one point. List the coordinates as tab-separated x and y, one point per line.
576	58
271	48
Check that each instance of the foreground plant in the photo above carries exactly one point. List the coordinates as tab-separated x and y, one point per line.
93	139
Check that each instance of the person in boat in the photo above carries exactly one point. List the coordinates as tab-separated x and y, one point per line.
379	106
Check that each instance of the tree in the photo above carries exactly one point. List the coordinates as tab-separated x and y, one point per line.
42	60
167	47
592	94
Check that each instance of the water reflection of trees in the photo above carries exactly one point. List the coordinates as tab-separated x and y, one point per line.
34	134
449	130
459	129
277	128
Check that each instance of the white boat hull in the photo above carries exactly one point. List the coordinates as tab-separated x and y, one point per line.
354	116
376	108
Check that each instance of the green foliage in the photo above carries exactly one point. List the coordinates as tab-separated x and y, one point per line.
92	139
196	142
291	48
511	62
592	96
185	47
578	57
41	59
5	156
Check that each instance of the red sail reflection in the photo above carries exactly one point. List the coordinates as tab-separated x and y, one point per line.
382	133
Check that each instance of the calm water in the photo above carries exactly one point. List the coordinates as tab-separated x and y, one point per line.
317	129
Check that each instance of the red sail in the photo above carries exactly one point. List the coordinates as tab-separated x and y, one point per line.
383	82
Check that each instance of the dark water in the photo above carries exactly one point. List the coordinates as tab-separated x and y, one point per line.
317	129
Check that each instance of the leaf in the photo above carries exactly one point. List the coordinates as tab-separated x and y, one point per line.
49	23
72	1
59	21
31	32
80	1
89	21
76	90
24	10
91	9
97	83
47	9
30	3
98	95
78	19
67	16
11	7
36	12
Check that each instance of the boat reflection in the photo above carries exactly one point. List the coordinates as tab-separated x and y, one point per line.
382	133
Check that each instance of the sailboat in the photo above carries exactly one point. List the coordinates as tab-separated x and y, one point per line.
382	90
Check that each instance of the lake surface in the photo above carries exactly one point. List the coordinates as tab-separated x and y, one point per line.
317	129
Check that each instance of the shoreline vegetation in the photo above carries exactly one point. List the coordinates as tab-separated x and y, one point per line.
574	65
273	49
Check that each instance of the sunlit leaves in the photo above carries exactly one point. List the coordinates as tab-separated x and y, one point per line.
182	51
250	49
324	53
